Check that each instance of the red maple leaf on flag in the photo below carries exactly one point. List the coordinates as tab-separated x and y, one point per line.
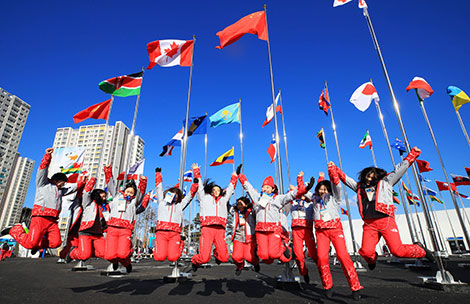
173	50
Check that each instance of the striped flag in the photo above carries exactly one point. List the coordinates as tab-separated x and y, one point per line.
434	198
272	150
175	141
345	212
460	180
270	112
366	141
422	88
123	86
395	198
226	158
320	138
324	101
188	176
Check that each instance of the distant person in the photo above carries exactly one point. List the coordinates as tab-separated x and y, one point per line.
4	251
375	201
44	231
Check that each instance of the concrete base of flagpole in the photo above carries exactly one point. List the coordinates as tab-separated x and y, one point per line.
110	272
445	282
358	265
81	266
287	280
418	265
177	276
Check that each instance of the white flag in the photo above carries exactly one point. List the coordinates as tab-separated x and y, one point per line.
363	96
270	112
362	4
340	2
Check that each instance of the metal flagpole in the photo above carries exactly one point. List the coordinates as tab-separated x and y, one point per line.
463	207
409	219
357	263
241	132
276	176
452	195
104	139
279	164
450	223
463	127
324	141
205	155
285	136
442	275
439	230
185	131
373	155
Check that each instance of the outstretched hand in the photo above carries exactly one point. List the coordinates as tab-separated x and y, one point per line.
194	166
417	149
49	150
310	183
331	164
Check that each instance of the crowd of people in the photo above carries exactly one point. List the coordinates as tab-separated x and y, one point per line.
101	223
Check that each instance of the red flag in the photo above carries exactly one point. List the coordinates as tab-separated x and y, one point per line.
445	187
168	53
423	166
272	150
121	175
96	111
324	101
468	171
252	24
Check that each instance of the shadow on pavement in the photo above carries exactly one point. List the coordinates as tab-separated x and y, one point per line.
131	286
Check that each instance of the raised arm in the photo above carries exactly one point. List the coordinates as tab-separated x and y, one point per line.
351	183
254	195
141	190
108	176
86	195
159	185
197	174
41	176
192	192
143	206
394	176
336	187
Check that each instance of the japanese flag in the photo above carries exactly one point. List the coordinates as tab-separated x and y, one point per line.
363	96
168	53
340	2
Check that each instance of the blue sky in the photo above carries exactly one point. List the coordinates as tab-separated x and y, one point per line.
54	54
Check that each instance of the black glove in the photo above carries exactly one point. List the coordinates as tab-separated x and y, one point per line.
195	180
239	169
310	183
158	169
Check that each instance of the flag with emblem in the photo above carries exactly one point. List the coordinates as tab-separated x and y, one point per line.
460	180
324	101
254	23
445	186
229	114
96	111
366	141
171	52
123	86
399	145
197	125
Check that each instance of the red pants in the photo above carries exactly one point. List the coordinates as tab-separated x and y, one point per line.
244	252
4	254
386	227
88	246
118	245
168	245
335	236
43	233
299	236
211	235
72	241
269	246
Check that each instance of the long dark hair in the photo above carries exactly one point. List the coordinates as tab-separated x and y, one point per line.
177	191
209	185
379	174
96	196
246	201
325	183
131	184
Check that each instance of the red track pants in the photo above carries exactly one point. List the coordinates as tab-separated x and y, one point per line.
118	245
168	245
88	246
335	236
244	252
211	235
72	241
299	236
269	246
43	233
386	227
4	254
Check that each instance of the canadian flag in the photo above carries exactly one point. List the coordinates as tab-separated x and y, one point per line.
272	150
422	87
168	53
363	96
270	112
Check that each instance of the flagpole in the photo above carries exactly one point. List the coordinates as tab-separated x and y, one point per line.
279	163
104	141
185	131
463	127
324	141
409	219
463	207
373	154
446	276
357	263
241	133
205	155
439	231
285	136
450	222
452	195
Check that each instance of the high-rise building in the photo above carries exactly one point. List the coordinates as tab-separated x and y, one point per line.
111	147
13	115
16	191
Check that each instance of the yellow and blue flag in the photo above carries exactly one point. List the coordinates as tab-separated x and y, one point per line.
458	97
226	158
229	114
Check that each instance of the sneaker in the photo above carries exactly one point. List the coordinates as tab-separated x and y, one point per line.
6	231
129	268
194	267
34	251
218	262
68	259
356	295
238	272
115	266
371	266
329	293
429	254
257	268
307	278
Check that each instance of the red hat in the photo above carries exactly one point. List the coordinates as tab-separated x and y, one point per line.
269	181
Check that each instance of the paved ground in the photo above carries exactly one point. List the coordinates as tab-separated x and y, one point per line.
44	281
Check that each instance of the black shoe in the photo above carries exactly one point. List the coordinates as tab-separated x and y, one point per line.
329	293
429	254
238	272
218	262
115	266
356	295
34	251
183	238
257	268
194	267
306	278
371	266
129	268
6	231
